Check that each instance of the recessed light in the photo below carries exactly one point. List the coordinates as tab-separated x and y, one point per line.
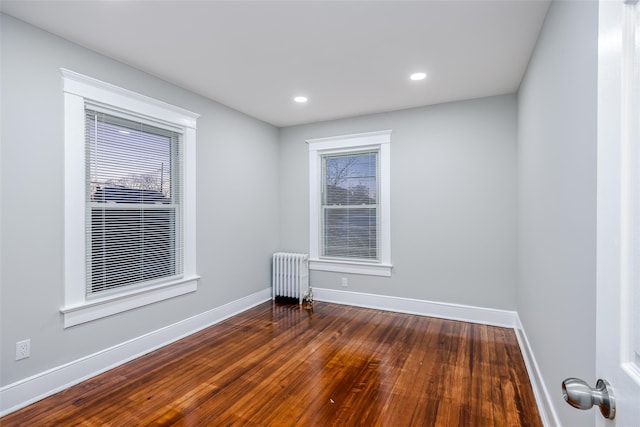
418	76
300	99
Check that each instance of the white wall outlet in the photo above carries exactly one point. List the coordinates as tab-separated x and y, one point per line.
345	282
23	349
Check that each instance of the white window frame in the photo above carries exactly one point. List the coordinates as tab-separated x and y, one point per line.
80	90
379	141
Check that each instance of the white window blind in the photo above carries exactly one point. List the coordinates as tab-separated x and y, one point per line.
350	214
133	193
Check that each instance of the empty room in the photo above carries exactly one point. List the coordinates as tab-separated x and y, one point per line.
310	213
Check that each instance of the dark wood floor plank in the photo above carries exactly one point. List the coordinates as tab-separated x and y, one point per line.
280	365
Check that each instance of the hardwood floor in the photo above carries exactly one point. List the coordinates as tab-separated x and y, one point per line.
279	365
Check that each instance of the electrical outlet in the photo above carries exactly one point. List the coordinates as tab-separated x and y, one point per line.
23	349
345	282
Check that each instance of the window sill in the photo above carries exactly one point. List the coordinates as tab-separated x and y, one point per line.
352	267
97	309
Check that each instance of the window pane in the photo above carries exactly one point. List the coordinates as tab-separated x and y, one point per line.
128	162
131	246
351	179
351	233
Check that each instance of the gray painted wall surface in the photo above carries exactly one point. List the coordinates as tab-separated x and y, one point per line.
557	200
453	201
237	203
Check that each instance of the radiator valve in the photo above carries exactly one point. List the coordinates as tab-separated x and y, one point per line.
308	299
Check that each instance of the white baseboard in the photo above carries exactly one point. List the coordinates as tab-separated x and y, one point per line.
24	392
466	313
543	398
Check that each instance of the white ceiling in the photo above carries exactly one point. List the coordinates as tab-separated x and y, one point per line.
348	57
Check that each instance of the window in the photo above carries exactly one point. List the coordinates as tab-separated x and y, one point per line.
134	227
349	203
350	206
129	200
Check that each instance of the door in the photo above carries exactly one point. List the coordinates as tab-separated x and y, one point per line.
618	230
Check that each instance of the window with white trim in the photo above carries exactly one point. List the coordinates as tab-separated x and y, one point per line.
349	203
129	200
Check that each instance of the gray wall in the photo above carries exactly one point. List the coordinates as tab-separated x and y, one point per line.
237	203
557	199
453	201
